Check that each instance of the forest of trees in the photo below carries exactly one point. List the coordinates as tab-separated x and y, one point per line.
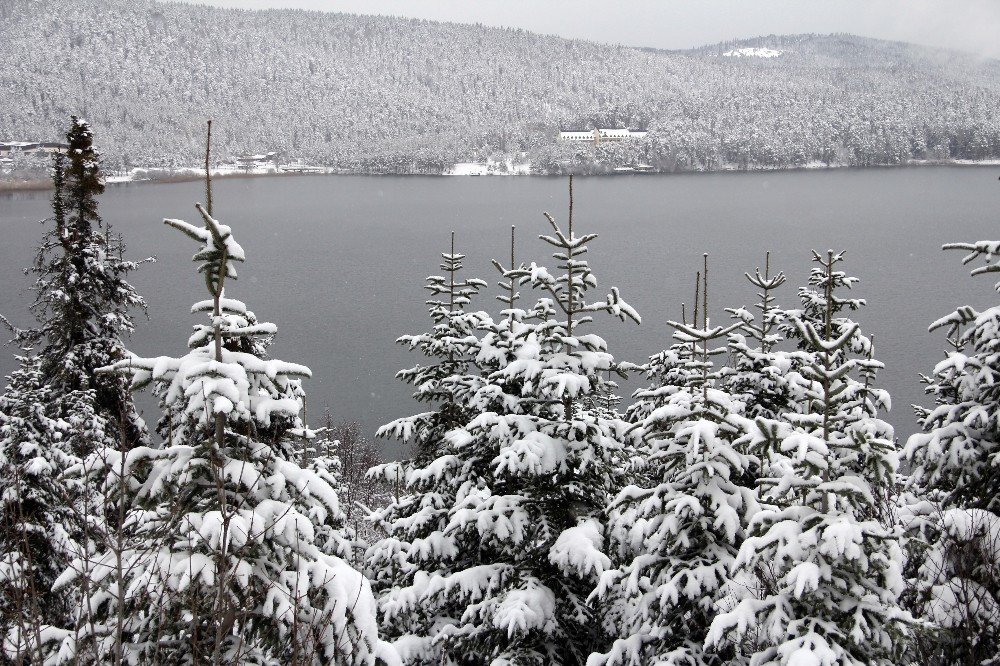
391	95
750	506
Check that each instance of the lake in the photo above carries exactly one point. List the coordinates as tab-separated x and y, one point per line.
338	262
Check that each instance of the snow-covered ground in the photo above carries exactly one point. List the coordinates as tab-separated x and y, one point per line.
141	174
489	168
950	162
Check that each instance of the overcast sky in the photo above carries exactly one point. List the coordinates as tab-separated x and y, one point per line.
971	25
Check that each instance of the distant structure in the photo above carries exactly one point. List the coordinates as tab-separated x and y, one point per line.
600	135
8	148
255	161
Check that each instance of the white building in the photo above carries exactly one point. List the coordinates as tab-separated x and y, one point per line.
8	148
254	161
599	135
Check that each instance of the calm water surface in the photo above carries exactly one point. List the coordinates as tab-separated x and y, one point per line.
338	262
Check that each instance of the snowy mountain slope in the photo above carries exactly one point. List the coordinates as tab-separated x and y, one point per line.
390	94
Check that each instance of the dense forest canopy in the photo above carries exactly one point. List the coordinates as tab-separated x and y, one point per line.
377	94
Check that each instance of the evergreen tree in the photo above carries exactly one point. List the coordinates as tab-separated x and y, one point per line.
952	513
246	566
82	300
829	572
670	370
759	368
35	514
82	306
675	536
960	440
452	344
505	578
422	508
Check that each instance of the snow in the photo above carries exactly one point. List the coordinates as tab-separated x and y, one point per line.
225	304
752	52
240	385
523	610
215	237
535	453
579	549
489	168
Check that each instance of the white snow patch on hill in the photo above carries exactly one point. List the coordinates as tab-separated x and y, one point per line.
752	52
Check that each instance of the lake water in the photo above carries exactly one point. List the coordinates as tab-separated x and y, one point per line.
338	262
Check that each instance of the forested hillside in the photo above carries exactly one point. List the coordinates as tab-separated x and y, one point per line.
386	94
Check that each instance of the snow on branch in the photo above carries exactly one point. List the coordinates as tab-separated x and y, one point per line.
989	250
702	334
219	248
965	314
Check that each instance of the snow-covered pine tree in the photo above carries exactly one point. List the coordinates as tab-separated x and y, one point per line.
669	370
241	570
960	440
421	509
675	535
830	573
955	485
862	400
82	306
505	578
824	309
82	299
757	376
35	514
452	344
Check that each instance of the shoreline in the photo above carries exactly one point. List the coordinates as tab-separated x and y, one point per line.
187	175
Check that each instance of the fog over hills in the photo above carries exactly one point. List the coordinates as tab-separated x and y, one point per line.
381	94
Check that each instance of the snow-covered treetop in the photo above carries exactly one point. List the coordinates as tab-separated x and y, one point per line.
459	293
569	289
760	330
698	337
81	141
820	325
231	378
510	293
824	281
219	249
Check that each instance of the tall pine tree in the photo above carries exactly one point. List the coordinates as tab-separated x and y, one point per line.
829	572
759	367
452	346
421	510
505	578
675	534
83	307
83	302
245	566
